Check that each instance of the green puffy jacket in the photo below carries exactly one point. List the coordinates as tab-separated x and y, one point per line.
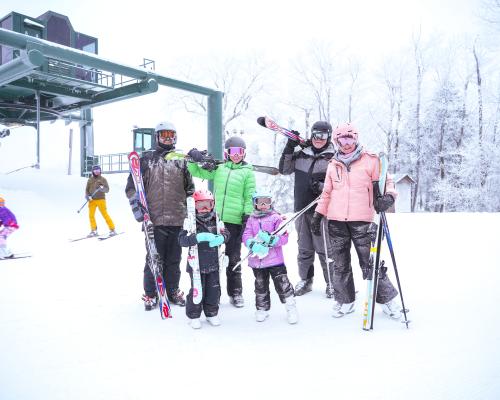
234	185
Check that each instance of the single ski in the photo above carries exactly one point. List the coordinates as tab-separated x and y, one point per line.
208	160
372	275
267	122
193	259
154	258
109	236
16	257
84	237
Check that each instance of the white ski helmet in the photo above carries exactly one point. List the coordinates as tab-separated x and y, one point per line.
166	126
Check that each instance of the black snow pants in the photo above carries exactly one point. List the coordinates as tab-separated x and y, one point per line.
170	251
210	284
233	252
281	284
341	235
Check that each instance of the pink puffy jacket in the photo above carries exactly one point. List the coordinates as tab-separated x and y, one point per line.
348	195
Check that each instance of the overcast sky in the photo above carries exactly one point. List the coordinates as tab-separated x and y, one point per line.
167	30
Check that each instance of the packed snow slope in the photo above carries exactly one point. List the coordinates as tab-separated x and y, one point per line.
72	325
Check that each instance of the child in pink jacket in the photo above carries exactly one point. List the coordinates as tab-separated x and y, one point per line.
349	200
267	258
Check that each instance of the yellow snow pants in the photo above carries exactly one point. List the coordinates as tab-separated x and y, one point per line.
101	205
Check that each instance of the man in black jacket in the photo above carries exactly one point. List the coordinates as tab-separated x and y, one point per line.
309	164
167	183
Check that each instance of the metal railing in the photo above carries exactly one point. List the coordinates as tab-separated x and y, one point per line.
110	163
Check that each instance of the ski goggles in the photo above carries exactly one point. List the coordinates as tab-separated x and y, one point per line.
165	134
232	151
346	141
320	135
201	204
263	201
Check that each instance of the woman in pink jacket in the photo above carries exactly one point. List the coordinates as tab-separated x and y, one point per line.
349	201
267	258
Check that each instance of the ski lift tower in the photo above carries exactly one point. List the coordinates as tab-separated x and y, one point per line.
48	71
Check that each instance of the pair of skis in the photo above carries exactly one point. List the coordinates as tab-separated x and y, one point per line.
373	276
209	160
100	238
154	258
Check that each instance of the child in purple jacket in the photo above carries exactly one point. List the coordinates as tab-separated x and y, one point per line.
267	258
8	225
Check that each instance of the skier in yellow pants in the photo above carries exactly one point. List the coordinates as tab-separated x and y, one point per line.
95	191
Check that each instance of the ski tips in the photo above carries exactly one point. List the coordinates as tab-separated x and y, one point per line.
262	121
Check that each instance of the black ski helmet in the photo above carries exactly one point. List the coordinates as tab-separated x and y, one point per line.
322	126
235	141
96	168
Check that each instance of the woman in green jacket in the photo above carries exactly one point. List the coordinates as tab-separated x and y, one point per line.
234	184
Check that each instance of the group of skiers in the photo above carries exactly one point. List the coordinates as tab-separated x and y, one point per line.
332	164
332	168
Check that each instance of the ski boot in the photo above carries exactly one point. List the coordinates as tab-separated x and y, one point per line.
261	315
195	323
214	321
392	309
340	309
304	286
93	233
112	232
149	302
177	297
292	315
237	300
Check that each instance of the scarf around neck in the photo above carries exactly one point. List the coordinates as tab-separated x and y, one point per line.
348	159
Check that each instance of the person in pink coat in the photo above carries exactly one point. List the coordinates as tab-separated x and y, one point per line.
349	201
267	259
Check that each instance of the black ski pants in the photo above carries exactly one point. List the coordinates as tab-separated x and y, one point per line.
310	245
341	235
170	251
281	283
233	252
210	284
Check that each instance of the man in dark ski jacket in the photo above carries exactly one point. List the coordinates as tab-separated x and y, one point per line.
167	183
309	165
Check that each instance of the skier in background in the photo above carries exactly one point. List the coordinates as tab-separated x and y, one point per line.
97	186
208	239
234	184
267	258
167	183
8	225
349	200
309	164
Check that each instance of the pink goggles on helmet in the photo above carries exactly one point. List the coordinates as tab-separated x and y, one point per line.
232	151
346	141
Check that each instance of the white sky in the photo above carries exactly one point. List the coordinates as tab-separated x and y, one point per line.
166	31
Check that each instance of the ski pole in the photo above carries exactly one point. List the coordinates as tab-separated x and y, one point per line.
281	227
328	259
92	195
393	258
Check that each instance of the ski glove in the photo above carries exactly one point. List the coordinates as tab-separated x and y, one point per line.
316	223
267	238
257	249
216	241
195	155
137	208
290	145
381	203
316	187
205	237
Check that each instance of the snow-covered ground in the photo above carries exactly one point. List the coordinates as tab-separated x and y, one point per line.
72	325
